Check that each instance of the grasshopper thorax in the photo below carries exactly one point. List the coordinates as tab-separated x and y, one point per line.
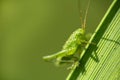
75	38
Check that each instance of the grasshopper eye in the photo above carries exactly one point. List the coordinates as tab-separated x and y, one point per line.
80	32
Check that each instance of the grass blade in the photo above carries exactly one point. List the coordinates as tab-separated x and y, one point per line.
102	62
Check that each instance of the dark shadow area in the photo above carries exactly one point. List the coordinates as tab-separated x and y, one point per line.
94	56
112	41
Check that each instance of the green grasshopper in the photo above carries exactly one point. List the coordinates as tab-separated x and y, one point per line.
74	43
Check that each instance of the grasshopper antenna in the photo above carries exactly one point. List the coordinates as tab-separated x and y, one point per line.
84	22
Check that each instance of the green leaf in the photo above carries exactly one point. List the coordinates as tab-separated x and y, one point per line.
102	61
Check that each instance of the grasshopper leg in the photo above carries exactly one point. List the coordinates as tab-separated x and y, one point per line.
61	54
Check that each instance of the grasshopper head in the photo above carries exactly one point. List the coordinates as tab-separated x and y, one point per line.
80	34
80	31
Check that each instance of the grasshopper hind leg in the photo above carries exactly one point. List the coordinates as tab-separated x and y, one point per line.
68	60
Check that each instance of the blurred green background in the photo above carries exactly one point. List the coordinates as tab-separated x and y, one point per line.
30	29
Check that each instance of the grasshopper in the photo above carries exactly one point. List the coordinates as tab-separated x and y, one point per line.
74	43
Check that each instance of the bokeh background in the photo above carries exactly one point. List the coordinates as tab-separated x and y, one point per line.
30	29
